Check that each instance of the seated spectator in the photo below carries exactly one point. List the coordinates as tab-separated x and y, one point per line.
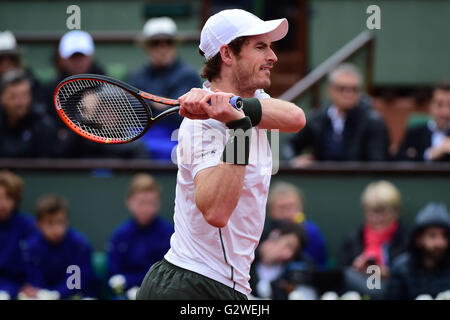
269	271
431	142
425	267
24	132
346	130
15	228
286	204
49	253
76	55
378	242
141	240
165	75
11	59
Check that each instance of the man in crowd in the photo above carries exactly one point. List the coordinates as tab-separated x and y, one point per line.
76	55
24	131
11	59
431	141
346	130
165	75
425	267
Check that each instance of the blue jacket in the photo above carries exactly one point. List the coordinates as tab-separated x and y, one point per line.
132	249
315	245
47	264
171	82
315	249
13	233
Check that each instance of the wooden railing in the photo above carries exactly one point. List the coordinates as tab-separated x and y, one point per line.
364	40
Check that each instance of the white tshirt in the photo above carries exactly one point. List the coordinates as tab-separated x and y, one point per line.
223	254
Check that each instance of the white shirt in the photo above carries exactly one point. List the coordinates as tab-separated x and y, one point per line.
223	254
337	121
437	138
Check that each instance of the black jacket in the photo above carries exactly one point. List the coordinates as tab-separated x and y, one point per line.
416	141
35	136
365	136
409	278
353	246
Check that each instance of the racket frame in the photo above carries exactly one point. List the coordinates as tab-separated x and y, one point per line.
140	95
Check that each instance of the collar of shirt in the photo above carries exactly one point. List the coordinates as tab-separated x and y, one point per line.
337	121
437	136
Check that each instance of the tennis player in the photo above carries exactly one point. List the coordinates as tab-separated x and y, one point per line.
224	163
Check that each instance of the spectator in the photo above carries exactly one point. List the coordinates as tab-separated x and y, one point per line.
269	271
76	55
24	132
51	251
431	142
380	240
141	240
15	228
164	75
425	267
347	130
11	59
286	204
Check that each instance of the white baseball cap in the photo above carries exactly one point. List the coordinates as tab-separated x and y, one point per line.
76	41
227	25
7	42
157	27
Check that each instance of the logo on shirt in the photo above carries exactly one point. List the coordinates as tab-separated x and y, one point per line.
205	154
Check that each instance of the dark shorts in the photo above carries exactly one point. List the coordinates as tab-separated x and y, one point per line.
165	281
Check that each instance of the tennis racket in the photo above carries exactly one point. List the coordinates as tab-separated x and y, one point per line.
106	110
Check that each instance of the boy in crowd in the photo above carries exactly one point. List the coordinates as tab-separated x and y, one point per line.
142	239
50	252
14	229
270	270
286	203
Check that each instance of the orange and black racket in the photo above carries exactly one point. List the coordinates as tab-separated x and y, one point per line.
106	110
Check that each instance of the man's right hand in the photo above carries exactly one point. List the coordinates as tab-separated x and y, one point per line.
202	104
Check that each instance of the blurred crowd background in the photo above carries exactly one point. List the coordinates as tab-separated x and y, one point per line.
364	183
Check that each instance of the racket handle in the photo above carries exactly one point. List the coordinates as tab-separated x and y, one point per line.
237	102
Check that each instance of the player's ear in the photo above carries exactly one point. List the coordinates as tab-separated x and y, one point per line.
226	55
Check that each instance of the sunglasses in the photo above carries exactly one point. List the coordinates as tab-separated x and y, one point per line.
351	89
161	42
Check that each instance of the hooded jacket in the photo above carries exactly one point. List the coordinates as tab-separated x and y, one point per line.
409	277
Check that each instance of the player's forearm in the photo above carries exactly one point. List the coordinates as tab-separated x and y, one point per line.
282	115
219	191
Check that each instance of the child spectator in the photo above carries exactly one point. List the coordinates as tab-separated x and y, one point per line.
269	271
141	240
14	229
50	252
425	267
286	204
378	242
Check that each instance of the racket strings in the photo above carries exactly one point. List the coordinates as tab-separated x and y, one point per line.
103	109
